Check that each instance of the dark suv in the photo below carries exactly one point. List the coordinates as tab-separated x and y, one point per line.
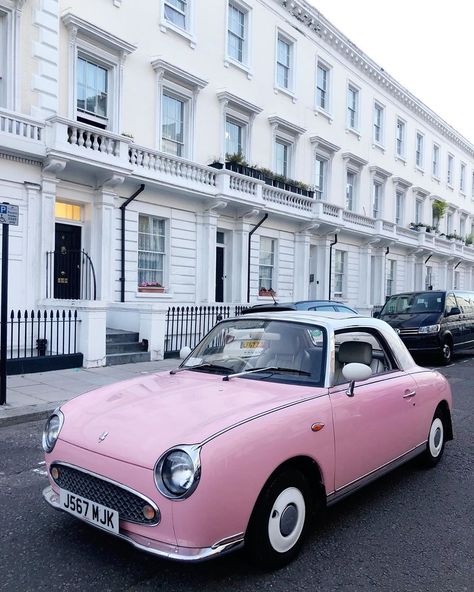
435	321
314	305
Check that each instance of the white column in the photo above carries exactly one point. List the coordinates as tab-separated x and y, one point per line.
322	266
35	257
239	262
206	257
409	273
379	276
301	266
103	235
365	278
420	271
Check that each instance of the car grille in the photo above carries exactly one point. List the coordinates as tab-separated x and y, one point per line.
408	332
129	505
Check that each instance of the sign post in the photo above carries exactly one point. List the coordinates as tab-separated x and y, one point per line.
8	215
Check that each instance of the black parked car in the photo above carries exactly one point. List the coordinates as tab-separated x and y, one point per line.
432	322
315	305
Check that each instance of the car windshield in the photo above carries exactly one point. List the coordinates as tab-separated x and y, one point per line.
414	303
280	351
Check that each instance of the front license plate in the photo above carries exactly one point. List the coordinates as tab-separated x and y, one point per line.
91	511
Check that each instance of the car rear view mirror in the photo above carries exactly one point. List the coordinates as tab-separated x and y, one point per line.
184	352
455	310
355	371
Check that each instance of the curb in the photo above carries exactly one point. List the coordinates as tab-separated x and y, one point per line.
9	417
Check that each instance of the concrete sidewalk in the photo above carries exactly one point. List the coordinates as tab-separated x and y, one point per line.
34	396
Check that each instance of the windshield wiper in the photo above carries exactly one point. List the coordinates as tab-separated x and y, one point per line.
206	365
268	369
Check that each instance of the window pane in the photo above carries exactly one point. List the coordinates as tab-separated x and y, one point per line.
175	12
281	158
173	125
233	137
91	87
151	250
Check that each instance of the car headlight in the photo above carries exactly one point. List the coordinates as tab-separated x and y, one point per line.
429	329
178	471
51	430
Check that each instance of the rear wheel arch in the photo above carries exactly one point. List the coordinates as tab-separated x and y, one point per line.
443	409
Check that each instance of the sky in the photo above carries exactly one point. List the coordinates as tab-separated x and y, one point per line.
426	45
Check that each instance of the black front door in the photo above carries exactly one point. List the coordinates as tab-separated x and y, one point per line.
219	274
67	262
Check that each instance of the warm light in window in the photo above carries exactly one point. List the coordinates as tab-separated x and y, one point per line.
68	211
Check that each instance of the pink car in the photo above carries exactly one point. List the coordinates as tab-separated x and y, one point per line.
271	417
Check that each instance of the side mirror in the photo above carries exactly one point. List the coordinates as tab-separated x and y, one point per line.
455	310
184	352
355	371
376	314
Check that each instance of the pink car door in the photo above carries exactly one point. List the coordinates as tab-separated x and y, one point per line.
377	424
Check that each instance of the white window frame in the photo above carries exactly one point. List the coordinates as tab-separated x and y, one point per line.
272	266
88	117
241	111
450	170
449	222
164	254
183	86
323	151
106	50
354	165
288	145
419	150
340	262
400	138
472	185
291	42
327	109
435	160
353	107
391	277
418	210
353	192
377	198
321	177
188	30
10	22
379	125
399	206
173	93
245	63
243	124
462	177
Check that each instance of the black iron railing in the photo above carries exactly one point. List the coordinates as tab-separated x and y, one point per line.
70	275
42	333
187	325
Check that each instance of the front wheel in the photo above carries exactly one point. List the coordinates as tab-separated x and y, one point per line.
279	520
446	352
435	444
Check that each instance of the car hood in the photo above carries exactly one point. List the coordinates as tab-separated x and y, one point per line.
411	321
146	416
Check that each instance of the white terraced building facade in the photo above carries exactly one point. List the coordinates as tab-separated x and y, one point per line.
109	100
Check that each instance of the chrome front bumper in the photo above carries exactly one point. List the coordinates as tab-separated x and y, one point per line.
165	550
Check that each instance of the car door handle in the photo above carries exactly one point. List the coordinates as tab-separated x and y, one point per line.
409	394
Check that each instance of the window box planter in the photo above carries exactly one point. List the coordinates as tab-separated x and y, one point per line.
265	292
151	289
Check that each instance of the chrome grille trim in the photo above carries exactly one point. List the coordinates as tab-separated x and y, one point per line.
101	490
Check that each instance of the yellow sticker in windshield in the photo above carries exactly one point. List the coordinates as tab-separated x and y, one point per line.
251	344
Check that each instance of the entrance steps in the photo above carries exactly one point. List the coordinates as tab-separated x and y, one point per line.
123	347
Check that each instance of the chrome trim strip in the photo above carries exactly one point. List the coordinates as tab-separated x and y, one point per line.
116	483
185	554
342	492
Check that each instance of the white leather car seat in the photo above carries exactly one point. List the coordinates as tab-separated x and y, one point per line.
355	351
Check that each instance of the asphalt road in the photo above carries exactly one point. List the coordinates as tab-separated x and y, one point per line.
411	531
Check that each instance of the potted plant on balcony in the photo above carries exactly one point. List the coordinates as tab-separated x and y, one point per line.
439	210
151	287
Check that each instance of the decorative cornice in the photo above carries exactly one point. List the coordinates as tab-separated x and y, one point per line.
420	191
319	25
242	104
284	125
172	72
14	158
354	159
86	29
379	172
323	144
401	182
